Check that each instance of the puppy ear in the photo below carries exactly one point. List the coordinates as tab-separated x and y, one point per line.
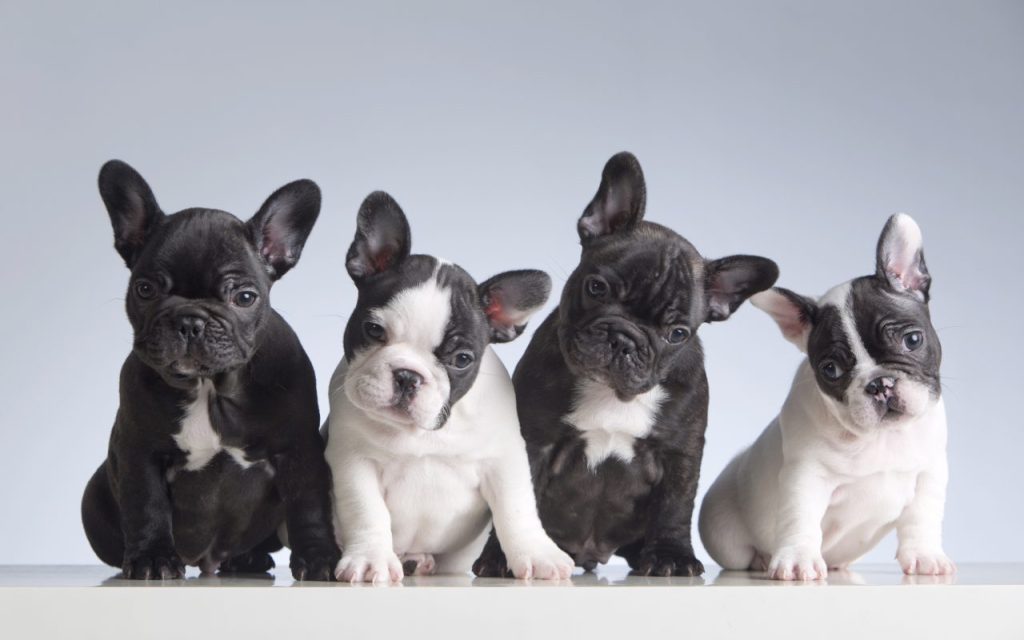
280	228
619	202
510	298
133	210
731	280
382	239
900	257
793	313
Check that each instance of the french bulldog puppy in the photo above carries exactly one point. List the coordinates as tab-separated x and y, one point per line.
216	441
860	445
423	437
612	392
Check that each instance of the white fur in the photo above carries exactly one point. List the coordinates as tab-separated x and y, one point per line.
610	426
197	438
403	491
824	483
415	322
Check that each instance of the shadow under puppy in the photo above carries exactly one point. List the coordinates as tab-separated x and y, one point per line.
612	392
860	445
216	438
423	439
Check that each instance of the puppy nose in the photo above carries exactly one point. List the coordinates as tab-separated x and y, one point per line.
406	381
881	386
191	327
622	344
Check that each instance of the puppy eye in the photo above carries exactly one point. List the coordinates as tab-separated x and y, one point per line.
145	289
463	359
244	298
596	287
678	334
913	340
374	331
831	370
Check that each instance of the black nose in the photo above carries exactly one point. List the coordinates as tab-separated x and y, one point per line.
406	381
622	344
882	387
191	327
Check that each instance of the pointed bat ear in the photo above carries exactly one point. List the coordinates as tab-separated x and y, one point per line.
382	240
134	213
794	313
619	202
281	226
732	280
900	257
509	300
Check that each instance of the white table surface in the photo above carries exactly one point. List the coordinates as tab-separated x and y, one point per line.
980	601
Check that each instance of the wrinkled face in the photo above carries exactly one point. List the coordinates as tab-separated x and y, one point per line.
875	355
870	341
414	343
629	310
198	296
200	278
420	327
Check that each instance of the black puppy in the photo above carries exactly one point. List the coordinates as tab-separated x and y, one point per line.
612	393
216	438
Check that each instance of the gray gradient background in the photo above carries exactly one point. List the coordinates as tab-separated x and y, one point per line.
788	129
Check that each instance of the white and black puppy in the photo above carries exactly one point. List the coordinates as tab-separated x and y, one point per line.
423	435
860	445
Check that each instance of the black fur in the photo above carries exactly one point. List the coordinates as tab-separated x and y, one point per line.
637	282
191	277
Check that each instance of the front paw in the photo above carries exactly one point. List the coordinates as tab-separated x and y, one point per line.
163	564
665	561
797	563
925	563
369	565
314	563
543	561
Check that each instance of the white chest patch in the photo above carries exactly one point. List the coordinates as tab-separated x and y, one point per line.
197	438
610	426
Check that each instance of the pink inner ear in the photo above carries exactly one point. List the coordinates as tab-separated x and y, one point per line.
382	259
494	310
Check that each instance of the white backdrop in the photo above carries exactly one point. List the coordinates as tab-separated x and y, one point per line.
787	129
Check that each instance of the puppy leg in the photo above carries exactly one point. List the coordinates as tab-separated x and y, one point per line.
102	519
256	560
722	530
804	493
364	523
919	527
508	490
418	564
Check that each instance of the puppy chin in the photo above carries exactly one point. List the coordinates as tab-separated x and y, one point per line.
863	416
379	403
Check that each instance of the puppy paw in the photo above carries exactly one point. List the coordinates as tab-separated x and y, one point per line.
418	564
252	562
925	563
314	563
371	565
660	560
156	564
544	561
797	563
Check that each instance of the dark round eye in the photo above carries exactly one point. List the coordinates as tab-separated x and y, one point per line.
145	289
596	287
913	340
374	331
831	370
463	359
244	298
678	334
